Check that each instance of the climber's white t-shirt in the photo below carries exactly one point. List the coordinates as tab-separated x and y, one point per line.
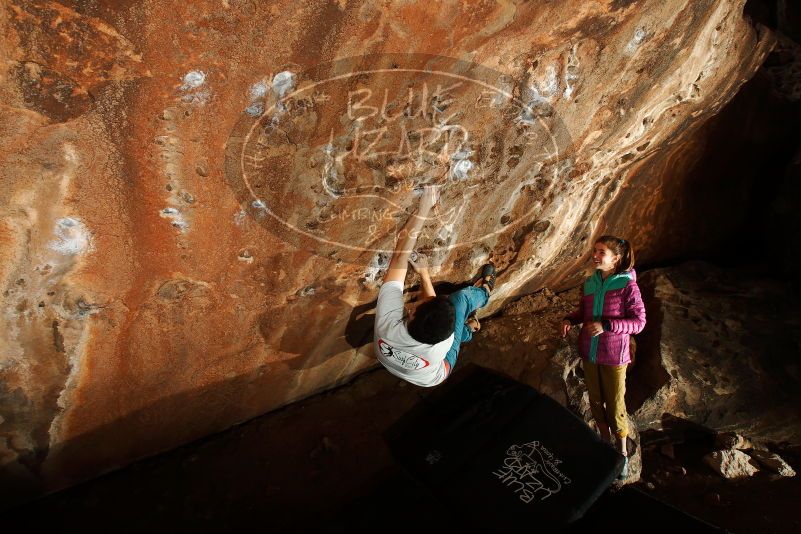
419	363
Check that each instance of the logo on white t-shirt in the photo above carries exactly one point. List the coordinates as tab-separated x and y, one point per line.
404	359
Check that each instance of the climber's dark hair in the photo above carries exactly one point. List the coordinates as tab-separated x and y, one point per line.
433	320
622	247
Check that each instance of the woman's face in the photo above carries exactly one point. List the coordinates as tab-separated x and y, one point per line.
603	258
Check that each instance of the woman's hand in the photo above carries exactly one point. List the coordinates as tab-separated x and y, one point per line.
594	328
566	326
419	262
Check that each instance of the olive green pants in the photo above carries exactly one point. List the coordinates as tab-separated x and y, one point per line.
607	388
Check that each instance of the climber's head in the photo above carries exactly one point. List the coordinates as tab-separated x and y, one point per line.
431	320
613	253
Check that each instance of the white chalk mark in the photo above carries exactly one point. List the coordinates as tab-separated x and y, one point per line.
256	109
258	90
193	79
461	169
257	93
550	84
504	95
331	178
535	92
378	266
177	218
308	291
461	164
462	154
639	37
283	82
72	237
571	72
192	85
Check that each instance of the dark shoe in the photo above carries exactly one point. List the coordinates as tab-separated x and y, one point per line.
488	274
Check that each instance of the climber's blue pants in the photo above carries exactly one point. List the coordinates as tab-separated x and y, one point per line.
466	301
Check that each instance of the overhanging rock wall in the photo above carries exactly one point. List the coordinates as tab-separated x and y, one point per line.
189	235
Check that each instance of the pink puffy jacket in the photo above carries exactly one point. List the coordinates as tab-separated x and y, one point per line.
616	301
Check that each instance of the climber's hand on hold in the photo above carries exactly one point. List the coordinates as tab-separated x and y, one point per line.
419	262
420	265
428	199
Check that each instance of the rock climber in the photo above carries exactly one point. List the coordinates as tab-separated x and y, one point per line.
419	342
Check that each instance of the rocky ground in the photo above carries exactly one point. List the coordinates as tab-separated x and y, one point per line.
303	465
674	471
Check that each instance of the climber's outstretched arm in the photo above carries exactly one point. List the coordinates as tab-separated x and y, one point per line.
407	237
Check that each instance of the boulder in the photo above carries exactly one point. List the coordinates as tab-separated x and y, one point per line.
731	464
732	440
721	349
772	462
